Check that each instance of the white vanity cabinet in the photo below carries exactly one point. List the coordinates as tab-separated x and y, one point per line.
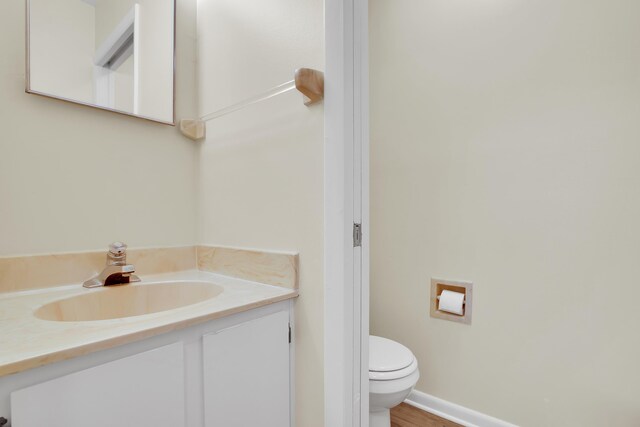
144	390
230	372
246	374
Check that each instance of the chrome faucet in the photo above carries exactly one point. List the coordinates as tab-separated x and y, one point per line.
117	271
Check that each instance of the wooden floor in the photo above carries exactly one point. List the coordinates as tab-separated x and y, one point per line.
408	416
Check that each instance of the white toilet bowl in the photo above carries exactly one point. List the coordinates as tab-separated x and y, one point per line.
393	372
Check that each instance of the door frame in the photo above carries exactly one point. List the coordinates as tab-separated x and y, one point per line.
346	189
119	45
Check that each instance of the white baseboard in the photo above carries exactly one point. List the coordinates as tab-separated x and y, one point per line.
452	412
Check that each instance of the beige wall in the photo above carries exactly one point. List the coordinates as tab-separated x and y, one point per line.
61	46
74	178
261	168
505	151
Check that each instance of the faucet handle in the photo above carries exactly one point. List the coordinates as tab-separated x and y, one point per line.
118	248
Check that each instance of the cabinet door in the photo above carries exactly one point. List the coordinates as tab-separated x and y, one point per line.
145	390
246	374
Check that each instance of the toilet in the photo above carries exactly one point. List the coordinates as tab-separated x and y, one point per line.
393	372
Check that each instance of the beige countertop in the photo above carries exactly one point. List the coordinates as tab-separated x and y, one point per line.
27	342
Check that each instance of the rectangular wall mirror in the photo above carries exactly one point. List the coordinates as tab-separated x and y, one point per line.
117	55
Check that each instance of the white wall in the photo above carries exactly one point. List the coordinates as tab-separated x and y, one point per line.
155	56
506	151
156	61
61	43
110	13
74	178
124	86
261	168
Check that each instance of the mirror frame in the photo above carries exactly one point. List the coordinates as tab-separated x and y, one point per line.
97	107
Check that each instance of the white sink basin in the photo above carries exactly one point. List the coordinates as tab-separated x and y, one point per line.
117	302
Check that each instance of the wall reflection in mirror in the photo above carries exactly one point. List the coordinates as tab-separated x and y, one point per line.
111	54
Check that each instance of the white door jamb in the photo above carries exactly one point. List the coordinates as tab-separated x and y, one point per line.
346	202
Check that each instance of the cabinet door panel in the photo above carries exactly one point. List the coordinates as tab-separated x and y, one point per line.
144	390
246	374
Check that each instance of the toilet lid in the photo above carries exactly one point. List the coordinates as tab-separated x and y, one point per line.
387	356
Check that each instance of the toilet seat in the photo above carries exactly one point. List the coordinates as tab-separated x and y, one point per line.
394	375
389	360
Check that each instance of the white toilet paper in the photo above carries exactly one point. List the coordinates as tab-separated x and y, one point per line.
451	302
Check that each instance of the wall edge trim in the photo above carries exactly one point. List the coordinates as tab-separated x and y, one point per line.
453	412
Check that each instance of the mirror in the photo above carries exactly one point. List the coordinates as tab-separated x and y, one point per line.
117	55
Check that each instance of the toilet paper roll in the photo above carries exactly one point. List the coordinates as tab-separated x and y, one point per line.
451	302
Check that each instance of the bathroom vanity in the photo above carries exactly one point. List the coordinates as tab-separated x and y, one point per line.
223	361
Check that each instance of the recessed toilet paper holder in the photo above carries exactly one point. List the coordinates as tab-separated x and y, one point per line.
438	286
